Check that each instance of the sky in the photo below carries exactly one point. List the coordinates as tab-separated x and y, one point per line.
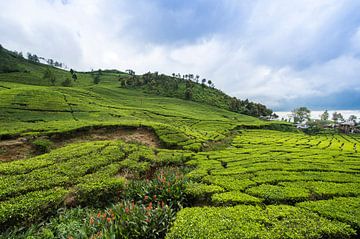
281	53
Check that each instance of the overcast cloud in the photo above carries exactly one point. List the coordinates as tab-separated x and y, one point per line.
277	52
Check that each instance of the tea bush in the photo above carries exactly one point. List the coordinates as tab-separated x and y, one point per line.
42	145
234	197
342	209
254	222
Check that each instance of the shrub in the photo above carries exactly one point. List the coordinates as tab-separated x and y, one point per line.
201	192
167	187
99	192
229	182
279	194
66	83
343	209
30	207
234	197
254	222
42	145
130	220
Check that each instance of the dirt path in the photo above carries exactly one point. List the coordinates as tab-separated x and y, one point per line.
22	148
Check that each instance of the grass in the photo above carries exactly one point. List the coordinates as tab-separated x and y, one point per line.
242	177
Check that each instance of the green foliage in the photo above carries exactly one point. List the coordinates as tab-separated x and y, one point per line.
301	114
30	207
342	209
234	197
42	145
66	83
337	117
128	220
49	75
229	183
86	169
279	168
255	222
167	187
314	127
100	188
96	77
67	223
279	194
10	61
234	159
325	116
145	210
185	88
201	192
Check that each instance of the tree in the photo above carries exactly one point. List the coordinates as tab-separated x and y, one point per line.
50	62
235	104
188	93
36	58
274	116
19	54
324	116
300	114
67	82
197	77
314	127
49	75
337	117
209	83
97	79
33	58
130	72
74	76
352	118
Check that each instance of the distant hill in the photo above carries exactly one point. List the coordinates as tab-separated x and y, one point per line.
189	88
20	70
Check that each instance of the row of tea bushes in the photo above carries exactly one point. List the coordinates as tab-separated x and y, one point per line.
255	222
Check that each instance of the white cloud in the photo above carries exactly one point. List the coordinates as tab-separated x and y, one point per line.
269	51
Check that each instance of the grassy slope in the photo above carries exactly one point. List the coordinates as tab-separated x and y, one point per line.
184	88
24	111
23	71
258	166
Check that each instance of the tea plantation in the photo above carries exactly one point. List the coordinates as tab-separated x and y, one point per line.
103	161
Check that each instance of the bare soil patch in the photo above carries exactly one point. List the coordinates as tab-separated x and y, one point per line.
15	149
22	148
131	135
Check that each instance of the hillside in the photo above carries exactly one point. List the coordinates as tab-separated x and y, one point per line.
120	158
189	88
21	70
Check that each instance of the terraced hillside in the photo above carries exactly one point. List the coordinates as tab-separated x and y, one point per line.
271	184
102	161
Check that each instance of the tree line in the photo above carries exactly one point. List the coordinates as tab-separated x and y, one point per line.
67	82
191	87
301	117
302	114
